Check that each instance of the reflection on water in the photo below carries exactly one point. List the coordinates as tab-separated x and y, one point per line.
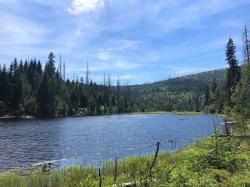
68	141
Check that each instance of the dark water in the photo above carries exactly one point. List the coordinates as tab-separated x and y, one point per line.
68	141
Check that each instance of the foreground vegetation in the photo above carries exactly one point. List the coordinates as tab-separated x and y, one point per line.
215	161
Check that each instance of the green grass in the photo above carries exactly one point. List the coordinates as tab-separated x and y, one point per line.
163	112
212	162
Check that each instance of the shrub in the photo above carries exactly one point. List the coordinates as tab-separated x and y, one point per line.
3	108
218	153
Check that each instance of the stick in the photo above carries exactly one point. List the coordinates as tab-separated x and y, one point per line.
155	157
100	177
115	170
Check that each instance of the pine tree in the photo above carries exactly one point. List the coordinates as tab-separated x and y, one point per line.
16	90
46	96
43	99
50	66
233	74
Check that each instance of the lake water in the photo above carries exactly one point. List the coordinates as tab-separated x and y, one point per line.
91	140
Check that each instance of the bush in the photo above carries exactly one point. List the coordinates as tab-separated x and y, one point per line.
61	107
211	109
218	153
3	108
30	106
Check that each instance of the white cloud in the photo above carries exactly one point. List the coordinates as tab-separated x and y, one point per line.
79	6
129	77
19	33
97	66
126	65
104	56
114	65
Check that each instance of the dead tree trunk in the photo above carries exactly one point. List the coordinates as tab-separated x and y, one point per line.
100	178
155	157
115	173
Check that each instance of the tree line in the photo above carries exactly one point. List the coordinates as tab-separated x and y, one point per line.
29	89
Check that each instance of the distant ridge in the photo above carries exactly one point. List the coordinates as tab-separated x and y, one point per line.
176	93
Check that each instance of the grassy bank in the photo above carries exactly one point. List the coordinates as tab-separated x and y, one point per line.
215	161
163	112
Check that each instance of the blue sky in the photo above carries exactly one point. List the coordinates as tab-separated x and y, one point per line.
137	40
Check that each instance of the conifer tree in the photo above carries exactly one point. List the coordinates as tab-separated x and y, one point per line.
47	91
233	74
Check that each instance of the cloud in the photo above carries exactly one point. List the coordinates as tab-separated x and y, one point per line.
80	6
127	76
19	33
96	67
126	65
116	46
191	15
114	65
104	55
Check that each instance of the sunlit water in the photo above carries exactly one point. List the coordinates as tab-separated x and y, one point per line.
91	140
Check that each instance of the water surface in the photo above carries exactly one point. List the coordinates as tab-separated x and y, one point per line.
91	140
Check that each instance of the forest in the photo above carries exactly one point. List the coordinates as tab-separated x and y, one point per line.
28	89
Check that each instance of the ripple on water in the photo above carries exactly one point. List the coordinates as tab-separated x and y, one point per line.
68	141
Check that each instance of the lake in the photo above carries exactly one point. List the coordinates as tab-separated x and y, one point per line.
91	140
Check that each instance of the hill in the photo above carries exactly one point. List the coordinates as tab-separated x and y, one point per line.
184	93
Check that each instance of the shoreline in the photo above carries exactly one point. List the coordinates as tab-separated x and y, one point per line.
164	112
173	163
10	117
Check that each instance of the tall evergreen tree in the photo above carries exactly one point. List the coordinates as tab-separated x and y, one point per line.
233	74
46	96
16	90
5	86
50	66
44	99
